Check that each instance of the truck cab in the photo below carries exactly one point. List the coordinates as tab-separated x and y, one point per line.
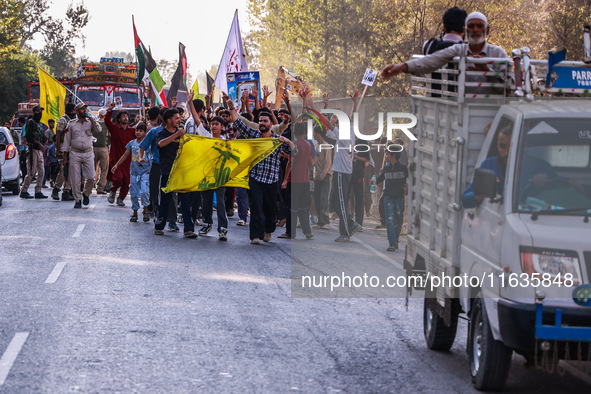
501	196
109	81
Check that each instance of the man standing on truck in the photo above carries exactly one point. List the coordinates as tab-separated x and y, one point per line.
476	29
121	134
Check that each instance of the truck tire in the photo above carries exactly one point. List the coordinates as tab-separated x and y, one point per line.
490	360
438	335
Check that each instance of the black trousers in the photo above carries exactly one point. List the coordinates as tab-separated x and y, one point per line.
356	189
300	207
262	198
166	200
155	194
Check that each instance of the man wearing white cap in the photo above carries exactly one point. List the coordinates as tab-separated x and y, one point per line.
101	152
476	30
78	141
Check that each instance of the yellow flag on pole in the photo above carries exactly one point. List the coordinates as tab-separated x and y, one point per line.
195	89
204	163
52	97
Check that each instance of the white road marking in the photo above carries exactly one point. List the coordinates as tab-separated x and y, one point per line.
11	353
79	230
378	253
55	274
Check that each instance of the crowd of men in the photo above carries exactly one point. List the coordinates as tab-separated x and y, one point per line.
298	182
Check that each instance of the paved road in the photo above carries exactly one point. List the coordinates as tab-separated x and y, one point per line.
92	303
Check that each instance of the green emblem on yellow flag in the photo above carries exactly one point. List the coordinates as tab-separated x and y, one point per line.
204	163
52	97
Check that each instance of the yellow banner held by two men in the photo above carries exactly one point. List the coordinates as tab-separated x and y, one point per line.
52	97
204	163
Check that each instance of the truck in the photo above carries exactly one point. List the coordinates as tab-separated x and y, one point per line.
517	265
110	80
26	108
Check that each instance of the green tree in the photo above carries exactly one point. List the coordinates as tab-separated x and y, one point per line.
17	67
330	42
61	38
20	22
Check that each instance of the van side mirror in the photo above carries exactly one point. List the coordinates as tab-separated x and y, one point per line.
485	183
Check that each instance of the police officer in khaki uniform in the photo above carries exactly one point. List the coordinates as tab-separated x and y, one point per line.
101	152
78	141
62	178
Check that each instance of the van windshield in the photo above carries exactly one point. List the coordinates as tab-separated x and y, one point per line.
555	168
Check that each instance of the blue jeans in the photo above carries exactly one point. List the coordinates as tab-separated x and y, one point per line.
140	188
394	214
208	203
242	200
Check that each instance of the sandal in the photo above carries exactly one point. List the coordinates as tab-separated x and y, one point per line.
284	236
190	234
146	216
133	217
281	223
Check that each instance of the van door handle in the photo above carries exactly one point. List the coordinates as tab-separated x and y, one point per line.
470	214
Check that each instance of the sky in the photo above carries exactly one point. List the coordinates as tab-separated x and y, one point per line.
201	25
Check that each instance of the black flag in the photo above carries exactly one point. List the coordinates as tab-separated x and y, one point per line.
179	79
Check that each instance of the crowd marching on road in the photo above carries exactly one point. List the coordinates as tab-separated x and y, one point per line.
116	158
297	185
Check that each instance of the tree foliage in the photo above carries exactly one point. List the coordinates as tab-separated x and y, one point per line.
330	43
22	21
17	67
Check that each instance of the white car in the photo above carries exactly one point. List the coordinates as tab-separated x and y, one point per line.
9	162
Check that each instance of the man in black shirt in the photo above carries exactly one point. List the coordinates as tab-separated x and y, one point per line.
34	139
395	174
168	144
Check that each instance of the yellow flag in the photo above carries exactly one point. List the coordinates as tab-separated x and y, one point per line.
52	97
195	88
204	163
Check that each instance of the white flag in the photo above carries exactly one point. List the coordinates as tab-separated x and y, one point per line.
233	59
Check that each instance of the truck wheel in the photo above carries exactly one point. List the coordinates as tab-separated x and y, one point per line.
490	360
438	335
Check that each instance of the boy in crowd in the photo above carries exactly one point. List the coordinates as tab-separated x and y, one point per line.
216	127
140	173
395	174
54	165
168	144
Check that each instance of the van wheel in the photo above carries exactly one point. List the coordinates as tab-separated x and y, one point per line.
14	188
490	360
438	335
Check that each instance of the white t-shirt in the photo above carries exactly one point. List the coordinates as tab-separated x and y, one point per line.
190	128
343	151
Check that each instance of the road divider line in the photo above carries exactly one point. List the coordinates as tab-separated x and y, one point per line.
11	353
78	230
57	271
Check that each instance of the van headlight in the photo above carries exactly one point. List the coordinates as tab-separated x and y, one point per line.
555	262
